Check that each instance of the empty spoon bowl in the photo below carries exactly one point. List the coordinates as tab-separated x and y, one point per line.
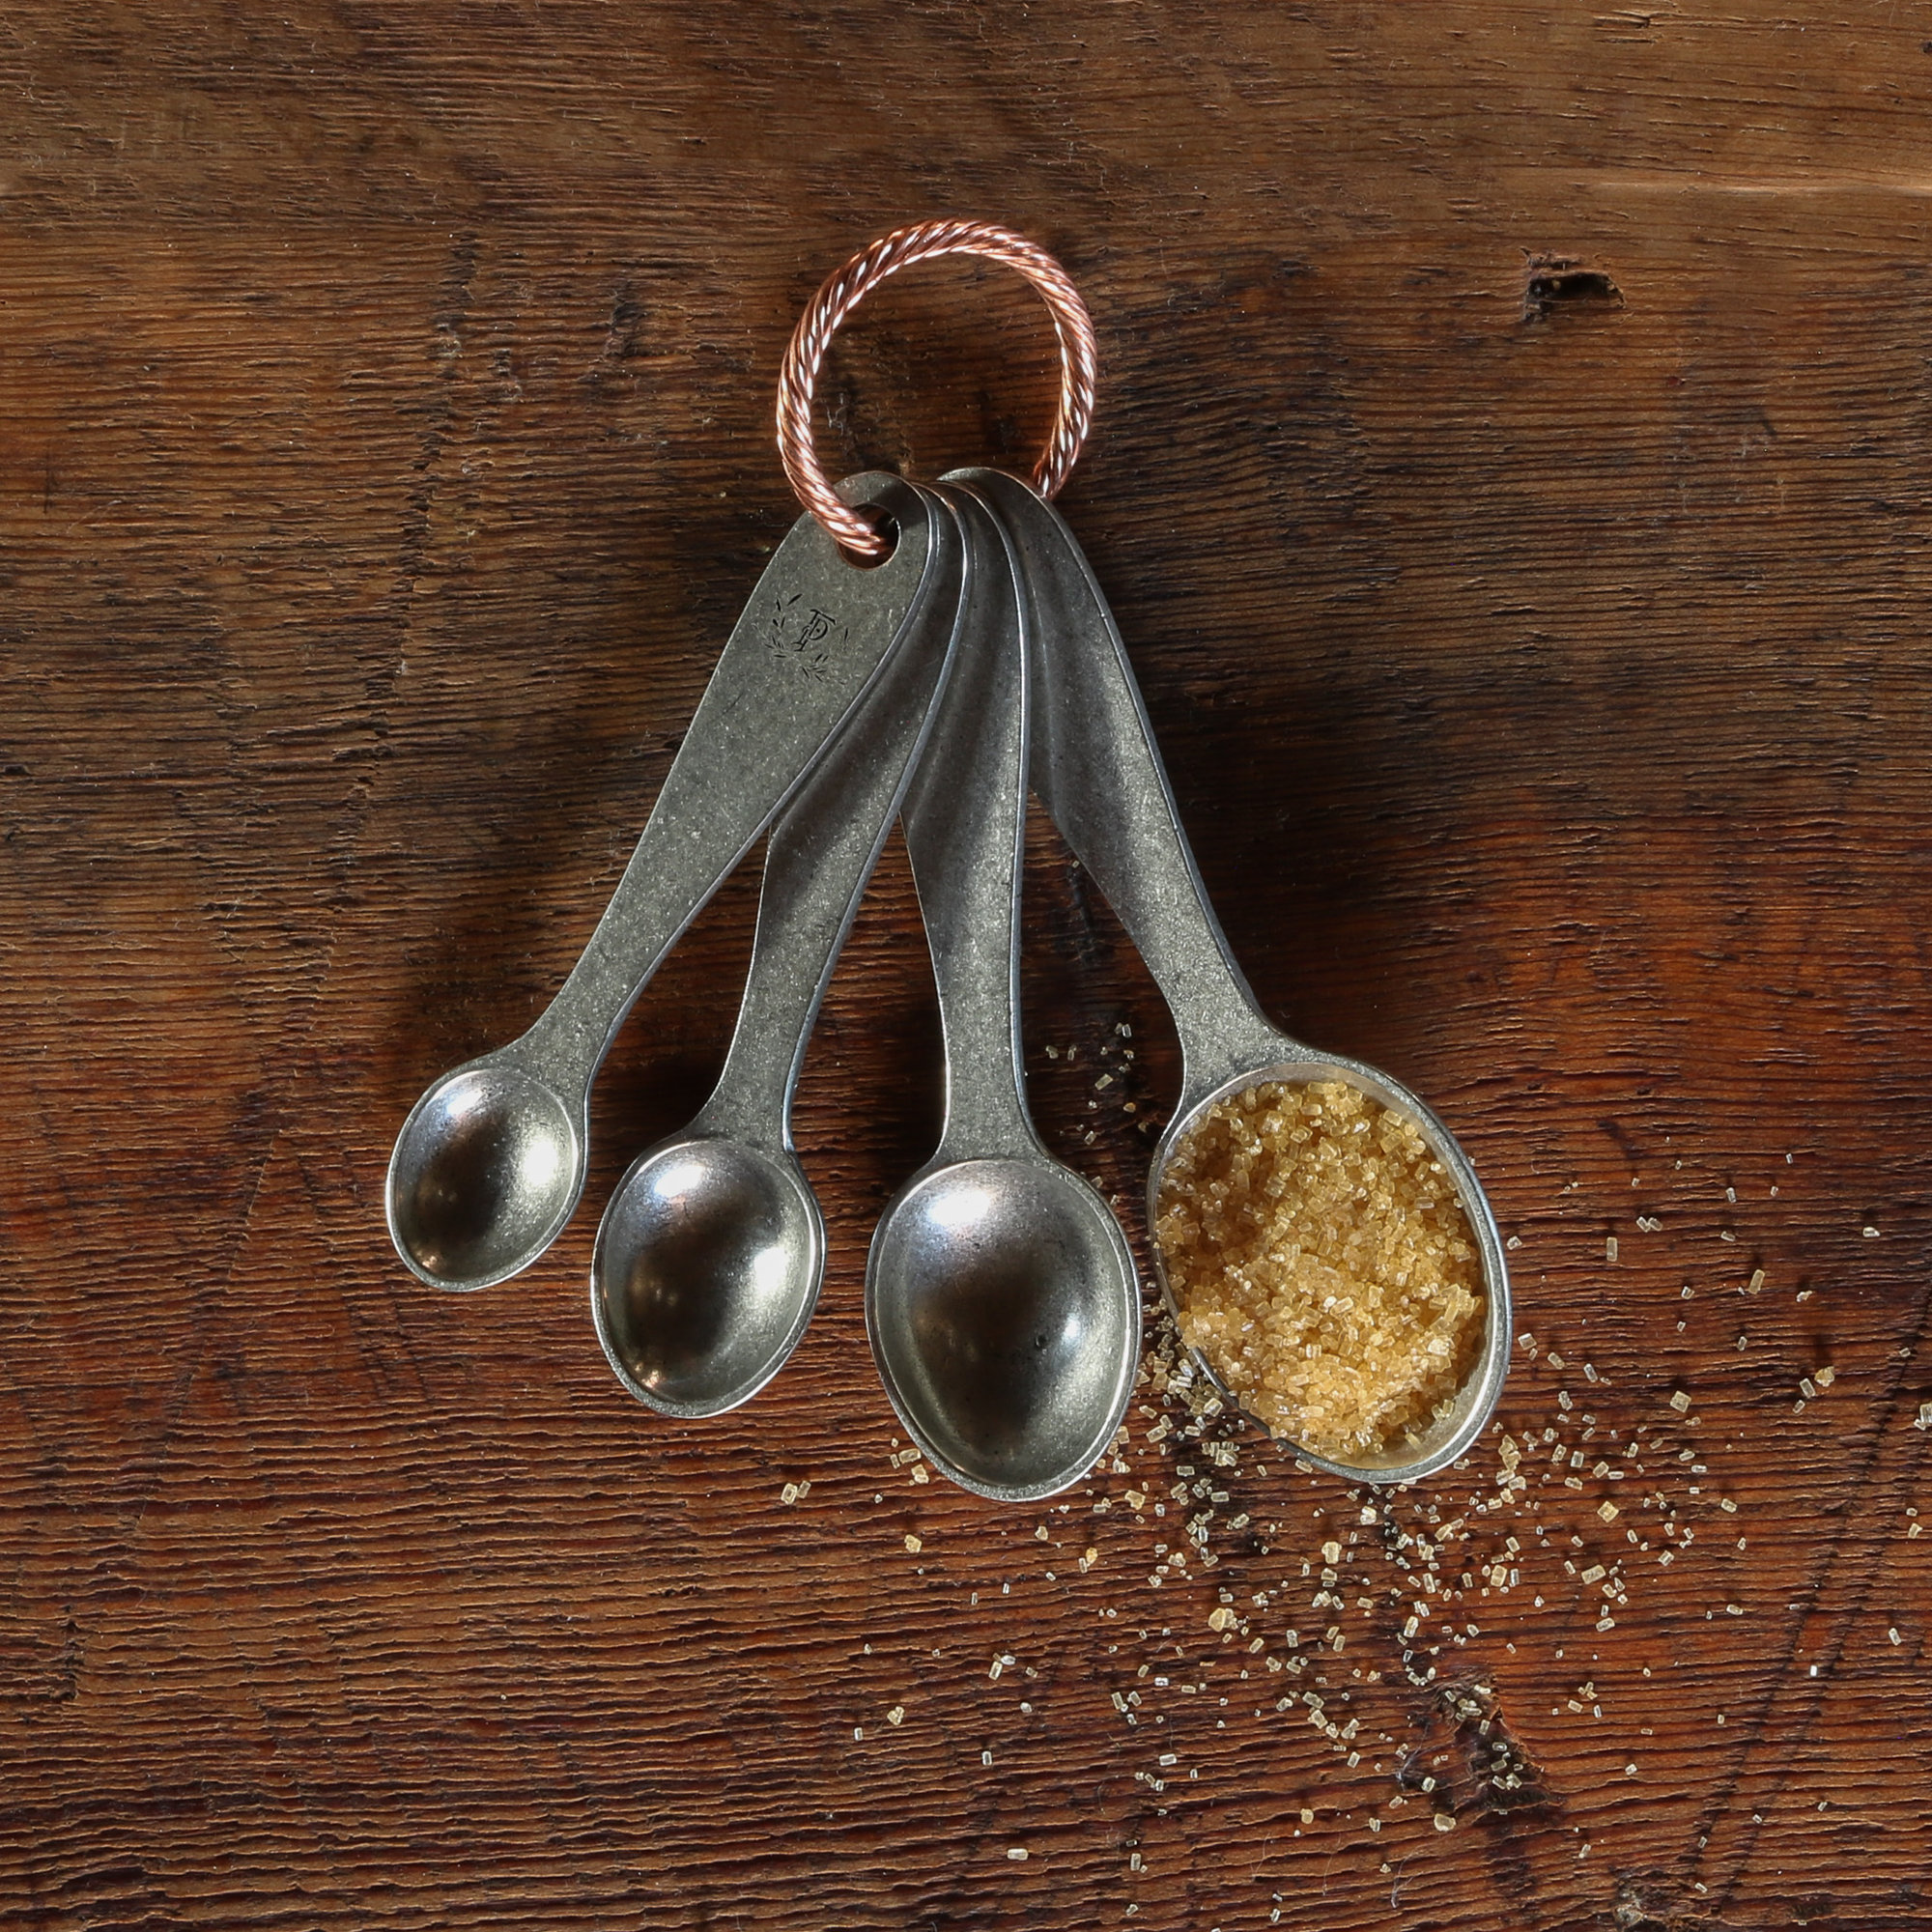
485	1173
698	1269
997	1321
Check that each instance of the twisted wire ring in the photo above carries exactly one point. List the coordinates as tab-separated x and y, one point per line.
842	291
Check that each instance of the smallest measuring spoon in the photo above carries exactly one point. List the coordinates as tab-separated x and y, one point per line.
490	1164
1098	771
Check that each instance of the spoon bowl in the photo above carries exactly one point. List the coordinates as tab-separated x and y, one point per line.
706	1271
486	1170
1454	1431
1003	1310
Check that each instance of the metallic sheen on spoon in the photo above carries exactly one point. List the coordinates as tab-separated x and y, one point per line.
712	1251
1001	1297
1098	769
490	1164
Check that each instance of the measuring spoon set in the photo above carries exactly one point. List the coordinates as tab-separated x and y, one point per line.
1002	1301
893	662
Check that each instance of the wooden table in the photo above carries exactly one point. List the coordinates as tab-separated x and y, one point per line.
1510	479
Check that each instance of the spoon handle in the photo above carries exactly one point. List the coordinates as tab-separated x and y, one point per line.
1097	769
809	645
822	854
965	823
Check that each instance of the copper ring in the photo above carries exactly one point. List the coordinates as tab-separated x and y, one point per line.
842	292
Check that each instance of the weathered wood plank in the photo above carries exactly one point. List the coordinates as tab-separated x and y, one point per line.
1510	478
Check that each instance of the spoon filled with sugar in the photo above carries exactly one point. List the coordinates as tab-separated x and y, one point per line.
711	1252
1322	1242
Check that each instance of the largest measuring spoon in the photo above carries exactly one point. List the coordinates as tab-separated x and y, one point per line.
1098	771
490	1164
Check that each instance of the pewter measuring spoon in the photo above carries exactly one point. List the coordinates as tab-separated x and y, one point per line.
1098	771
711	1253
490	1164
1001	1298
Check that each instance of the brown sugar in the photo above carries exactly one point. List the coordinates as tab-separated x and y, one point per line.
1320	1259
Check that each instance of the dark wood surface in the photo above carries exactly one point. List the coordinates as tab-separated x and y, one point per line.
1511	478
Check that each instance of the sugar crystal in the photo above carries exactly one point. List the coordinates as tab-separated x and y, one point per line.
1321	1260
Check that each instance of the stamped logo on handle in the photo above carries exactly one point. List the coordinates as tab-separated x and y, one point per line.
803	636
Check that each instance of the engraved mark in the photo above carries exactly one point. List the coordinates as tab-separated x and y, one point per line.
803	635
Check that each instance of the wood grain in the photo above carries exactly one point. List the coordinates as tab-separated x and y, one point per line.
1510	478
